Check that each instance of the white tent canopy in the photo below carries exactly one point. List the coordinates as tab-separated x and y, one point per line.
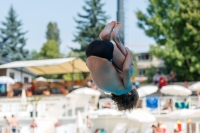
50	66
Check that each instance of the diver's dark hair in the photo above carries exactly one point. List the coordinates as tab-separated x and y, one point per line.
126	102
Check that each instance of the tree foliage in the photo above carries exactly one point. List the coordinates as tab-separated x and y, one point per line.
49	50
52	32
12	40
174	25
89	25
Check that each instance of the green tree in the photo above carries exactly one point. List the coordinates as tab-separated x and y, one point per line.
174	25
52	32
35	55
12	39
50	49
89	25
77	76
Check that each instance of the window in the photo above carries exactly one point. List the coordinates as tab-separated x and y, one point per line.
12	75
142	72
26	80
144	56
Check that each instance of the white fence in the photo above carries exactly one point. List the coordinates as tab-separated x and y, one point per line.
61	107
161	101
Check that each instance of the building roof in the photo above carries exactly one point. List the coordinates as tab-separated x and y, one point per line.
50	66
24	70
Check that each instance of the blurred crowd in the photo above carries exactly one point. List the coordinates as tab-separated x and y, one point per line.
38	88
163	80
177	128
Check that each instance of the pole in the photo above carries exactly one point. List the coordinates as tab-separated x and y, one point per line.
21	74
120	18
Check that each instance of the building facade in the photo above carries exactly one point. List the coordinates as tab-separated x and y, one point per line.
146	61
18	74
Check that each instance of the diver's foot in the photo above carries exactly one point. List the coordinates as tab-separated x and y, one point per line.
106	32
115	32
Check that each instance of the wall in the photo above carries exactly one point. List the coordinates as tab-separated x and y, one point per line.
144	64
2	72
18	76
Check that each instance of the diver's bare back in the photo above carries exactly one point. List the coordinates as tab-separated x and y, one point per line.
105	75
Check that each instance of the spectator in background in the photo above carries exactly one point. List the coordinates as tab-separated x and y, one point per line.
162	126
159	129
172	77
186	84
93	86
162	81
89	83
151	130
186	104
168	106
33	125
89	125
7	129
14	124
107	104
32	88
178	127
156	78
182	105
3	91
176	131
198	104
191	127
136	84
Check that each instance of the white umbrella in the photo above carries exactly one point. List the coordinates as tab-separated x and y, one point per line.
185	113
86	91
175	90
147	90
79	123
106	112
41	79
6	80
141	115
23	97
195	86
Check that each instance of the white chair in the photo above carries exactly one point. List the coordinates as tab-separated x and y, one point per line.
5	110
41	108
120	128
15	107
132	130
77	101
71	128
25	129
61	129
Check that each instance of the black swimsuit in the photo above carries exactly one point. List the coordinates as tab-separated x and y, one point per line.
103	49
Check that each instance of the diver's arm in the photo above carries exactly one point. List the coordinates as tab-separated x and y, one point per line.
126	70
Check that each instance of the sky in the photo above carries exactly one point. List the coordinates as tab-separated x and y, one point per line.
35	15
